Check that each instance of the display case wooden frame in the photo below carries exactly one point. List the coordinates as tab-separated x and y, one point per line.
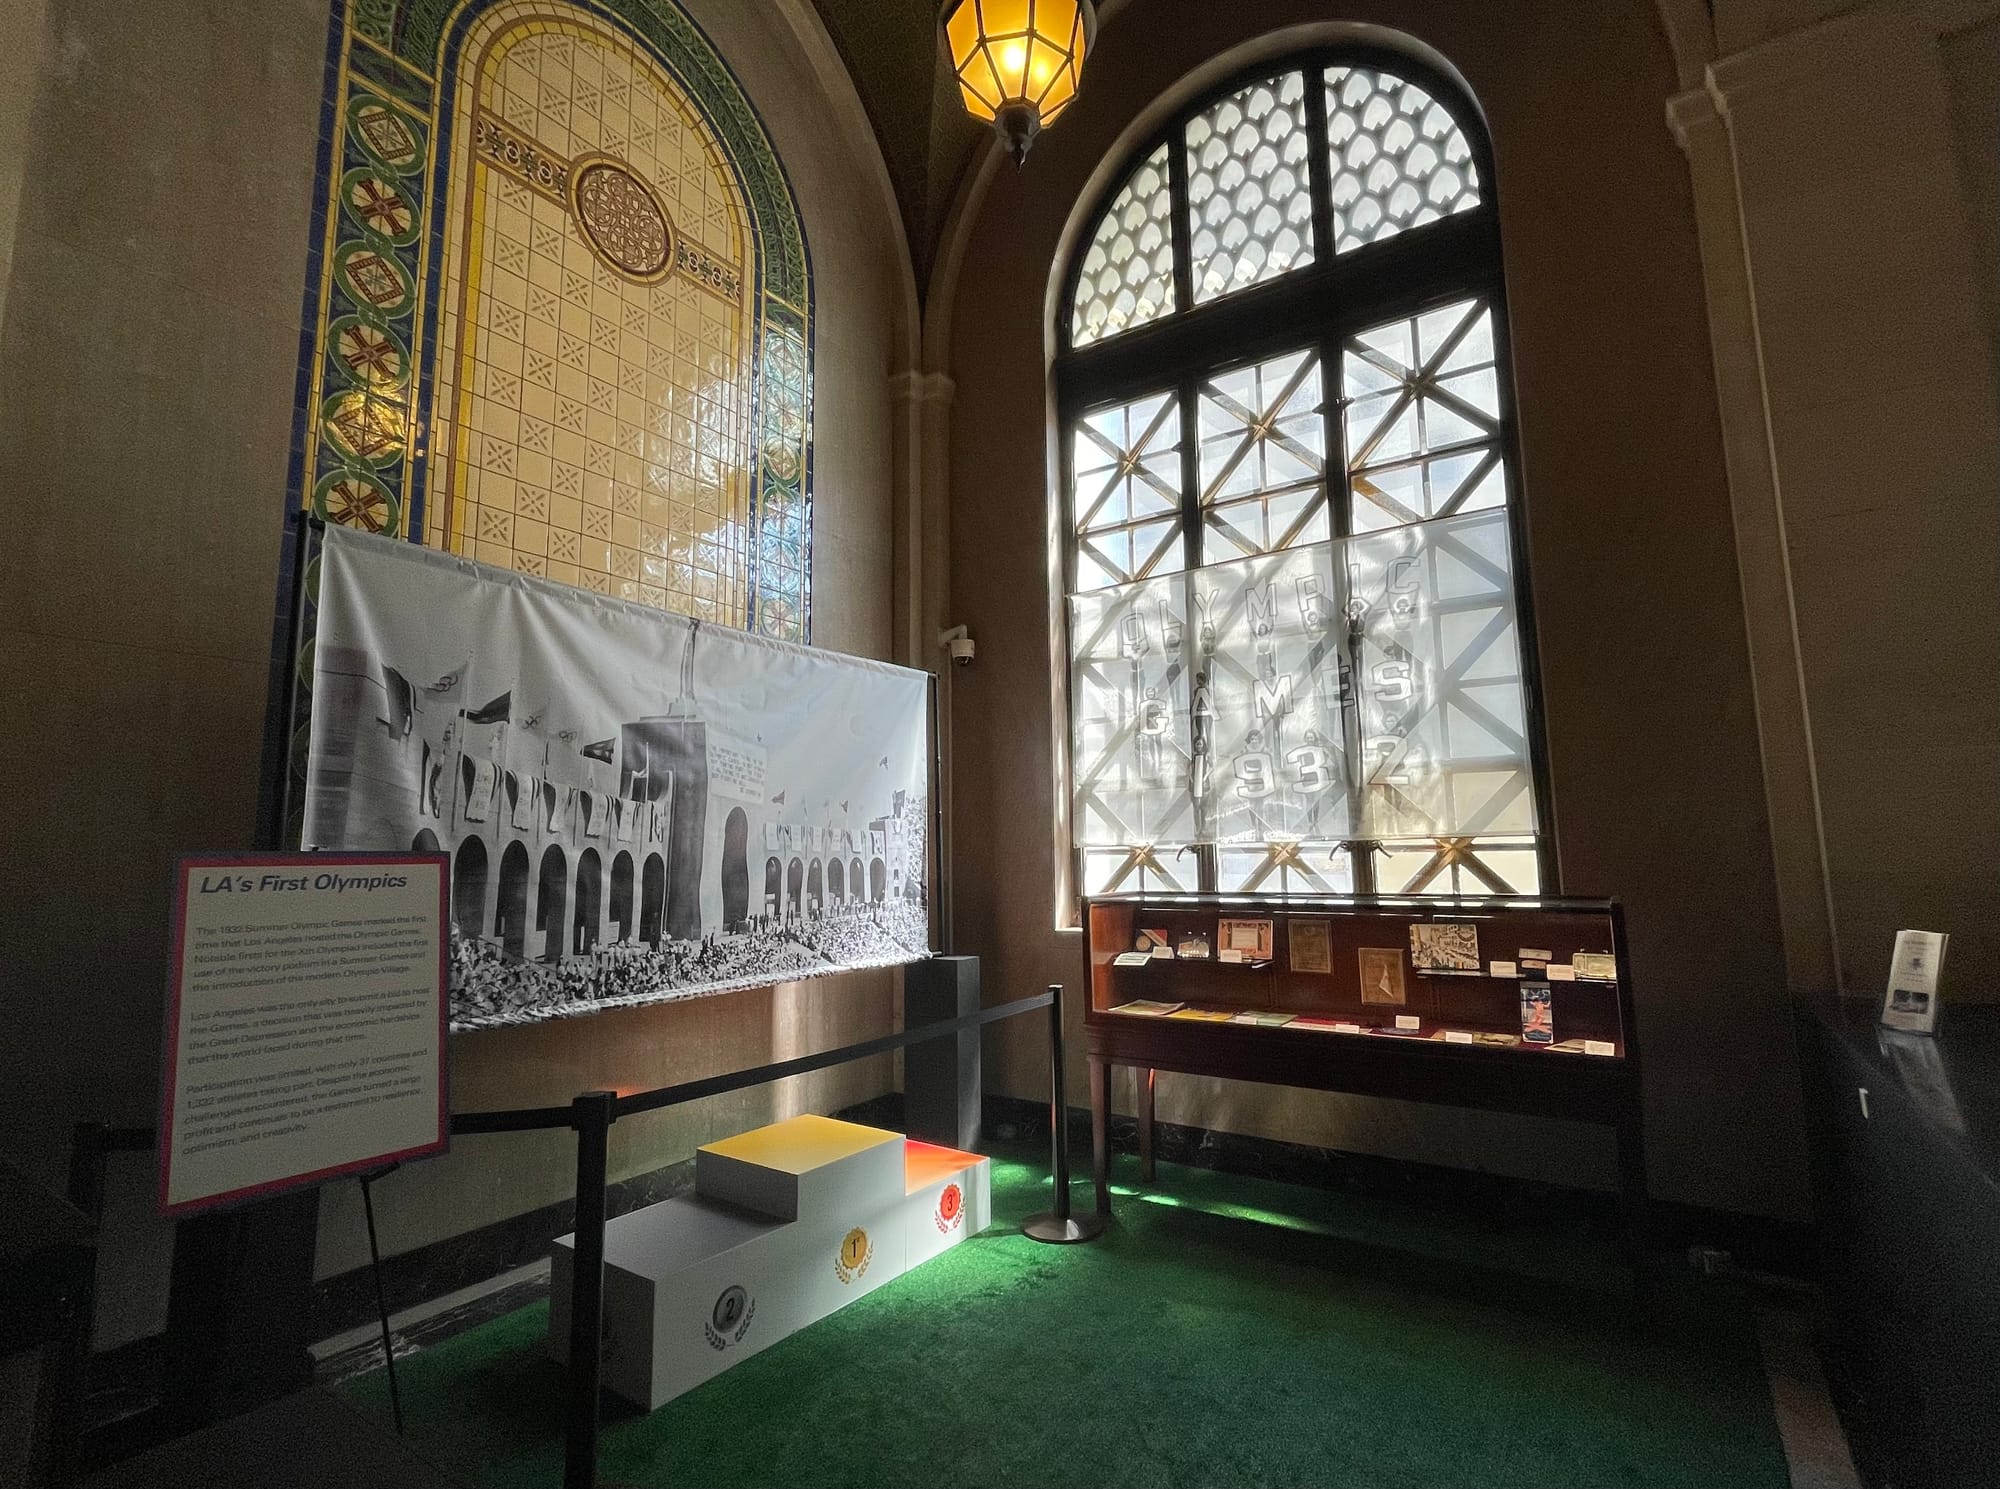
1589	1074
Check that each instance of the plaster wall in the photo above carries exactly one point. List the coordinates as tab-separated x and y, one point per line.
1844	173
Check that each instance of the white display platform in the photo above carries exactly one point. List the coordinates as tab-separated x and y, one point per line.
787	1224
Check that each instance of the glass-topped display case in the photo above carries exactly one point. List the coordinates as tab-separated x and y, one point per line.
1512	1005
1541	975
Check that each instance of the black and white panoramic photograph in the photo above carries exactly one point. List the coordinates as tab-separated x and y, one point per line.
637	807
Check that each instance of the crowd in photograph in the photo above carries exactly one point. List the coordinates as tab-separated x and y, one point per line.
491	986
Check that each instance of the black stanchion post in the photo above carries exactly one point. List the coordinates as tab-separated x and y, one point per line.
1058	1226
592	1115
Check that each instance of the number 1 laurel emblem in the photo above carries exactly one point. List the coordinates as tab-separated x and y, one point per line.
856	1251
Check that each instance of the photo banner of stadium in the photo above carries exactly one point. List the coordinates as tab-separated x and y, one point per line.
1370	687
639	807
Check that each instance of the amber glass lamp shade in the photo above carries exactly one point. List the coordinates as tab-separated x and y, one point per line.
1018	61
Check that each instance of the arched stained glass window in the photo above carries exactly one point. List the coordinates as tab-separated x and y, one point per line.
563	314
1300	654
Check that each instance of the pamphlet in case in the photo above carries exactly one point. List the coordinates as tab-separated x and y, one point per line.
1538	1013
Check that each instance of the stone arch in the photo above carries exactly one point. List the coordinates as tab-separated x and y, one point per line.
510	915
735	868
552	900
622	890
468	886
652	899
589	902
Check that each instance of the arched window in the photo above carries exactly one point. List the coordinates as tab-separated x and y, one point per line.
1300	654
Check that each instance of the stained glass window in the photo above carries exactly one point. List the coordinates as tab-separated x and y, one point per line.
566	323
1298	653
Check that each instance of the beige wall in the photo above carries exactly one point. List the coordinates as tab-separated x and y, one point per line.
1844	162
1652	732
146	375
25	23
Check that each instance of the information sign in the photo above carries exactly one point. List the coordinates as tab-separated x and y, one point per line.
305	1025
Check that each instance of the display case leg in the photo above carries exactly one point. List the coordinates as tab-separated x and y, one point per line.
1058	1226
1145	1080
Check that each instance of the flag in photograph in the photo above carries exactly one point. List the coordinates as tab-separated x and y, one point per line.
495	712
445	689
401	699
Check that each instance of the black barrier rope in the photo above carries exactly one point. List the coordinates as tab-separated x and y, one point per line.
715	1085
533	1118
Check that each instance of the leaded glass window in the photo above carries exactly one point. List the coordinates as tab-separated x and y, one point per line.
1300	655
1127	465
1127	277
1249	205
1422	399
1398	158
1263	457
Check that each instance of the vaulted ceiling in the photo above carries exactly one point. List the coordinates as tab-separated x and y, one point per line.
893	52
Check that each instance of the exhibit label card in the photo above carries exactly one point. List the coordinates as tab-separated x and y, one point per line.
305	1026
1911	1004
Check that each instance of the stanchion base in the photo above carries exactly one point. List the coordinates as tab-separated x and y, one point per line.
1062	1230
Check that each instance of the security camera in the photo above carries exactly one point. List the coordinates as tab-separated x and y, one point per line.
958	642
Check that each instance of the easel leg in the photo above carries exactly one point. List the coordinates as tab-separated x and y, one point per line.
1144	1080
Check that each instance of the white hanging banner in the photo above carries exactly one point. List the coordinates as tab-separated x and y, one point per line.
429	668
1367	687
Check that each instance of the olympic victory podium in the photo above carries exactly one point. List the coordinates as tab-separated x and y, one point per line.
787	1223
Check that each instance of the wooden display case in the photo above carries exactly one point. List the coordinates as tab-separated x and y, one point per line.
1378	996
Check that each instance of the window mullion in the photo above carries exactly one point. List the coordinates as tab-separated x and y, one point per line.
1177	179
1191	539
1319	175
1191	516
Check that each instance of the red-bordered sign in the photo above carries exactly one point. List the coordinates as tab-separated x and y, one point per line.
323	1019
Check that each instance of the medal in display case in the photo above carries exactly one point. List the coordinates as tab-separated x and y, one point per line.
1519	1005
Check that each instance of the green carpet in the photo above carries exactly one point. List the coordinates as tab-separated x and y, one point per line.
1228	1331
